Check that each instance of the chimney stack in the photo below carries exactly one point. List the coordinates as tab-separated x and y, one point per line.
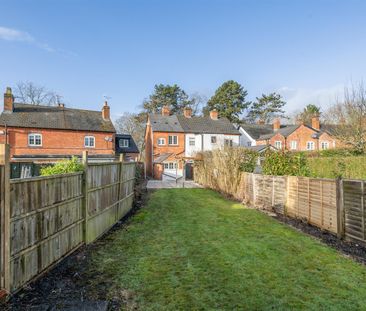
61	105
106	111
214	114
315	123
276	124
187	111
165	111
8	100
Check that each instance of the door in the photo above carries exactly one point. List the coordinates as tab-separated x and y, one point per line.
189	171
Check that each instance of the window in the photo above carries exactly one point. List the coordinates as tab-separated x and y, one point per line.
249	144
228	142
124	143
278	144
192	141
170	165
310	145
89	141
173	140
161	141
324	145
213	139
34	140
293	145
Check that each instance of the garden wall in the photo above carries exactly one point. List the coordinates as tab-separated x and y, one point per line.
44	219
335	205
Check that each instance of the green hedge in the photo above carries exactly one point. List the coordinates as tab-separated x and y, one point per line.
63	167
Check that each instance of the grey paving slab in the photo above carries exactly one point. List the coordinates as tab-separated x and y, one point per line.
165	184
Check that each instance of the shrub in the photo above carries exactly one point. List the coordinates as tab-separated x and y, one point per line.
285	163
63	167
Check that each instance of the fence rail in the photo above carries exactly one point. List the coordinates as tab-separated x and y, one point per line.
335	205
44	219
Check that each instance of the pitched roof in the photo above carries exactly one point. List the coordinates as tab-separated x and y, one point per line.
160	123
132	148
205	125
256	130
162	157
55	117
284	131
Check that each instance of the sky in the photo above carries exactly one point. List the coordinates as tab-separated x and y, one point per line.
84	50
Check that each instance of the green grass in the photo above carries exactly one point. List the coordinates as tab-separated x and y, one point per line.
331	167
191	249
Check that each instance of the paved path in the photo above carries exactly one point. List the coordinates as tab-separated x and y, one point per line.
160	184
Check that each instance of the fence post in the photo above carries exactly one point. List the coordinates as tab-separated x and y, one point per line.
5	217
85	200
287	196
120	188
340	208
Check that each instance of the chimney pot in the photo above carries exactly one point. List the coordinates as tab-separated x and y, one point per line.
276	124
106	113
214	114
165	111
8	100
187	111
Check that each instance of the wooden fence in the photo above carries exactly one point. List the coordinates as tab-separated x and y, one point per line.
44	219
335	205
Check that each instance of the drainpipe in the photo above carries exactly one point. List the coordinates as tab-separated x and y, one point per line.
202	143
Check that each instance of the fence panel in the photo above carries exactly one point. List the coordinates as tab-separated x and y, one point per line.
45	223
110	189
354	209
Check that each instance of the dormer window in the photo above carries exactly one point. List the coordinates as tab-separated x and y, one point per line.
124	143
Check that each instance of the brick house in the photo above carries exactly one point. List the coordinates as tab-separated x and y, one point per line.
172	141
299	137
41	134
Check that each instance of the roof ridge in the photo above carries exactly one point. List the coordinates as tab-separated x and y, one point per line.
57	107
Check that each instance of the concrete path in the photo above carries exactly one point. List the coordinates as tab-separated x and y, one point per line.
160	184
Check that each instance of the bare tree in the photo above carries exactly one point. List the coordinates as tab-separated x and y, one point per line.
133	124
349	118
30	93
197	102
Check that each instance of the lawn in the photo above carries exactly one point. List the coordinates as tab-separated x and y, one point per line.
191	249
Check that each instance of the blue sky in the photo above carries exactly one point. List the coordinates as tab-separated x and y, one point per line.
305	50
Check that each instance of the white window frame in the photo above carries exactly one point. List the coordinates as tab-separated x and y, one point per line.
161	141
171	140
34	136
278	144
215	140
87	139
308	144
228	142
192	141
293	145
170	165
324	143
122	143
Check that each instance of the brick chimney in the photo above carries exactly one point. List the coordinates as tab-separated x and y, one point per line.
165	111
276	124
187	111
315	123
214	114
8	100
106	111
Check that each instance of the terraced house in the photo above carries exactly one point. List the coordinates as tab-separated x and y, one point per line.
298	137
39	134
173	141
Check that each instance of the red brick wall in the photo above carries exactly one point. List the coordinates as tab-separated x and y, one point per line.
302	135
158	171
57	142
168	148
